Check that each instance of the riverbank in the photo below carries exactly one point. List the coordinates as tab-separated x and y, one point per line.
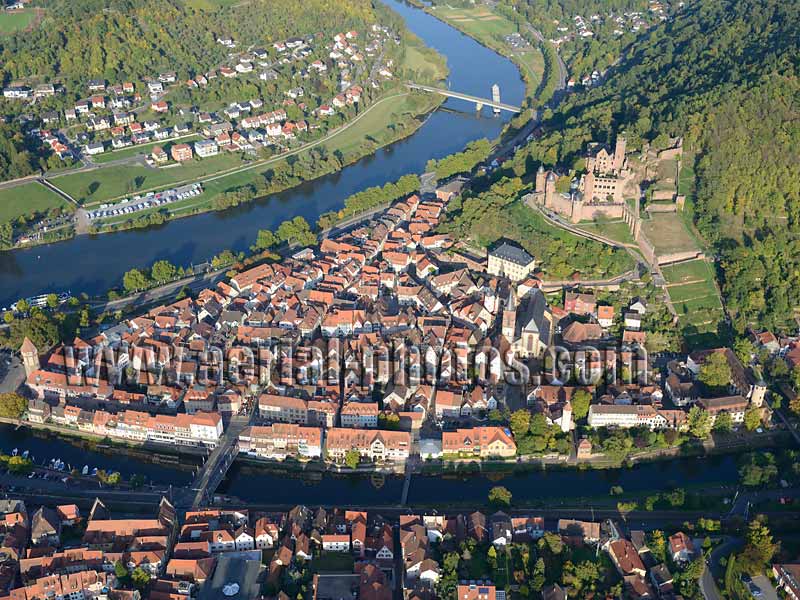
490	29
150	451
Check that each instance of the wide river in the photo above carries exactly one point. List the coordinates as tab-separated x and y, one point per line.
93	264
262	486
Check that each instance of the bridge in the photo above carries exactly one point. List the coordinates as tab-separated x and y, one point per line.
478	101
213	471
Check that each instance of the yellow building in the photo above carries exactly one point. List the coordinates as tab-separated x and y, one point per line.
510	261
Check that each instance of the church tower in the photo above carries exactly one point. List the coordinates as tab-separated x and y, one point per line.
619	152
30	356
510	317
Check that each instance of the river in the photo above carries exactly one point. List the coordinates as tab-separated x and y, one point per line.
93	264
269	487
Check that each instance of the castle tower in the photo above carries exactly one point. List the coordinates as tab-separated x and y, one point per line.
588	186
540	179
30	356
619	152
510	318
550	189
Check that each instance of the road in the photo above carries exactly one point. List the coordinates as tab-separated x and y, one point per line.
708	586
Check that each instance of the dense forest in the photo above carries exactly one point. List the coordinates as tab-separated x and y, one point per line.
724	76
132	39
16	159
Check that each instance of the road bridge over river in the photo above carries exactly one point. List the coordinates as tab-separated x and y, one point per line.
479	102
211	474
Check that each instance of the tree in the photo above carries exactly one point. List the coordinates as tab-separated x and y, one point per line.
699	421
724	422
715	372
140	578
752	418
39	327
134	281
12	406
264	241
745	349
499	497
23	306
520	422
759	548
163	270
538	575
758	469
352	458
52	301
580	404
120	570
658	545
581	577
296	231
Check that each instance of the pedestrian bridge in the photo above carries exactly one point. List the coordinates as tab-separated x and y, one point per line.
478	101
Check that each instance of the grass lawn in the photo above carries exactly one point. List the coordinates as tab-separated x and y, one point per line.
17	20
616	230
686	272
690	291
100	185
110	156
27	199
668	233
415	59
333	561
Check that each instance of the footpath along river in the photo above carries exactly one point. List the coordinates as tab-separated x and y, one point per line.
93	264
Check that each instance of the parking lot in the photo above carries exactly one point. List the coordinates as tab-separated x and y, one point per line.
149	200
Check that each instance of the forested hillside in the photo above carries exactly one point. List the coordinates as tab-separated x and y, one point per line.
131	39
724	75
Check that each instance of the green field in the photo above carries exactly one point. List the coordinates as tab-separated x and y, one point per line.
27	199
17	20
693	294
668	233
687	272
100	185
